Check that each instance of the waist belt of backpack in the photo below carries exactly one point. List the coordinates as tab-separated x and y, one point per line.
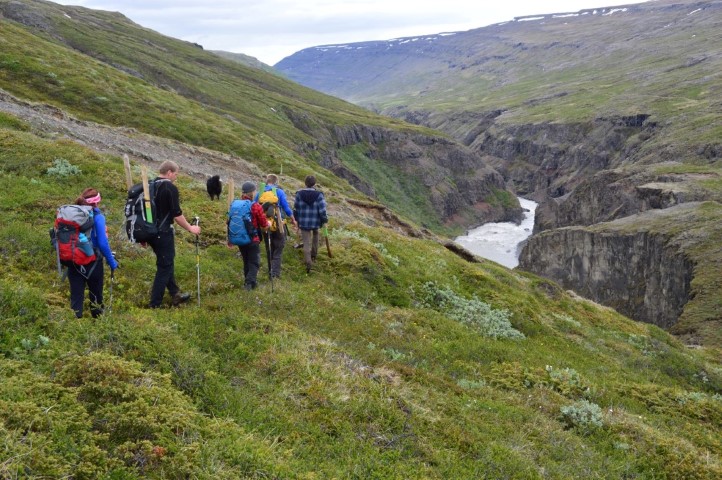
98	258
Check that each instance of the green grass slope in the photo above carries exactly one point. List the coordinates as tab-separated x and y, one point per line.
100	66
245	60
395	359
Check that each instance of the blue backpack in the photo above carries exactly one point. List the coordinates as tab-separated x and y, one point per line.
240	226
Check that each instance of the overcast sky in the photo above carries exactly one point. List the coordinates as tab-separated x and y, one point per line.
273	29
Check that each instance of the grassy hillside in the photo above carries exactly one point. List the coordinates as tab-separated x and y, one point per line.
245	60
659	58
394	359
100	66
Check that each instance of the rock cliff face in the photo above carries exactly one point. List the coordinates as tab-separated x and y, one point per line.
457	178
614	194
642	275
460	187
552	159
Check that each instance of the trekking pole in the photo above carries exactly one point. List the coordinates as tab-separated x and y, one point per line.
197	221
110	299
57	256
328	246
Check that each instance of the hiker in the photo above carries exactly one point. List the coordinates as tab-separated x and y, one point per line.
167	202
249	245
309	209
92	275
273	199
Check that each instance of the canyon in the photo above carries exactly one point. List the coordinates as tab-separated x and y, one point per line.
606	117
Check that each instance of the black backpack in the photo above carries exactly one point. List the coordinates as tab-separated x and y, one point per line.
137	225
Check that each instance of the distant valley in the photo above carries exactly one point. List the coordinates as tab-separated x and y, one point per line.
599	115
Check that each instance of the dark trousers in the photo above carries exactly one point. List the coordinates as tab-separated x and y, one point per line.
94	282
278	241
251	255
164	249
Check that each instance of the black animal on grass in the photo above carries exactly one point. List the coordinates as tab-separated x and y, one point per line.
214	187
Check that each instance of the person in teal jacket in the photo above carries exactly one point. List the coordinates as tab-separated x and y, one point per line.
91	275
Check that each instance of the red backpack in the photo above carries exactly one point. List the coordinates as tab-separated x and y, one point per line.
72	234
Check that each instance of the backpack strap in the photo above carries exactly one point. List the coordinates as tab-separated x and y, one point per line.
154	187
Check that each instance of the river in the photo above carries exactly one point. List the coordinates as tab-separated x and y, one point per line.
501	242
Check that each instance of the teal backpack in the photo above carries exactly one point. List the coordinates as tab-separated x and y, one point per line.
240	226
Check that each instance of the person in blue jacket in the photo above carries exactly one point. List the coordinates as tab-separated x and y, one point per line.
92	275
277	238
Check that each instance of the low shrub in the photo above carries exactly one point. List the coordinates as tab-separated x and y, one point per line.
480	316
583	415
62	168
567	382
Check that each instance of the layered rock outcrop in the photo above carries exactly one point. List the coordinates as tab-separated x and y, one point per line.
642	274
614	194
550	159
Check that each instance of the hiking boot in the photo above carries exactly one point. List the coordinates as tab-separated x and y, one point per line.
179	298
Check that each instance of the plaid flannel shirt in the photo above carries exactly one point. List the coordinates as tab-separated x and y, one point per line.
309	208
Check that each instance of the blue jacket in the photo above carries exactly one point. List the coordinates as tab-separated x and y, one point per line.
282	201
310	209
99	237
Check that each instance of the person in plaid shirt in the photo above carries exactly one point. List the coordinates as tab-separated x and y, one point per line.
309	209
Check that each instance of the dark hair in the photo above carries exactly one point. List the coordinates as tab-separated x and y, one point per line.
310	181
87	193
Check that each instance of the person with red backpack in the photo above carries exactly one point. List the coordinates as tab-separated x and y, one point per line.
91	275
246	220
